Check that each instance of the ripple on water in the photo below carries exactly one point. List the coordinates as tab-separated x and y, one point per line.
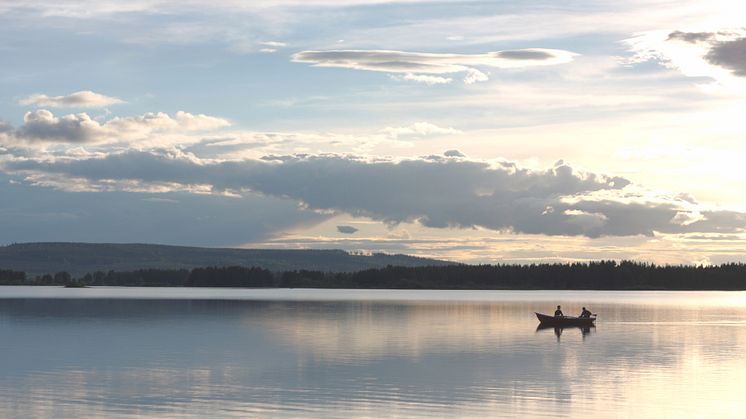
473	355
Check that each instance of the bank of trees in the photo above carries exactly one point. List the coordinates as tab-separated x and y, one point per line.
8	277
603	275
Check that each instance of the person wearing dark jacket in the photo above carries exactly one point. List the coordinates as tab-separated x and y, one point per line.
585	314
558	312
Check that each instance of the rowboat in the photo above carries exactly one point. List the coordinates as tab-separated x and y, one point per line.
564	320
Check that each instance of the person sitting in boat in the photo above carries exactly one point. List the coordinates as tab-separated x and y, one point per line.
585	314
558	312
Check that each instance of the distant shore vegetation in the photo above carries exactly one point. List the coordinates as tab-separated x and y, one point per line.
602	275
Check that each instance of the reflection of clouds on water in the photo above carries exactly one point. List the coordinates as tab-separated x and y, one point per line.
343	331
362	358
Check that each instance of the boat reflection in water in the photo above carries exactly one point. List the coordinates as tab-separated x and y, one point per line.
584	330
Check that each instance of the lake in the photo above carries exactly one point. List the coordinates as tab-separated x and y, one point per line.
177	352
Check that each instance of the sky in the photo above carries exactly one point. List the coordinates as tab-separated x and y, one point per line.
473	131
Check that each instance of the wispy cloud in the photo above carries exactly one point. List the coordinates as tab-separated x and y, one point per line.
81	99
96	8
415	65
423	78
270	47
274	44
419	129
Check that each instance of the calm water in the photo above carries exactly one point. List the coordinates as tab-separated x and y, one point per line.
320	353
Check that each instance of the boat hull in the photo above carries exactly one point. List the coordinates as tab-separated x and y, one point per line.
546	320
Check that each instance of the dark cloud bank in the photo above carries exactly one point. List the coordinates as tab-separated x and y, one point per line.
40	214
730	55
436	191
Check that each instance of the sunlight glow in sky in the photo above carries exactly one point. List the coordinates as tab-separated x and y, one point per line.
478	131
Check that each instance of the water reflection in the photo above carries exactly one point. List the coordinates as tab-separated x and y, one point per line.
584	330
367	357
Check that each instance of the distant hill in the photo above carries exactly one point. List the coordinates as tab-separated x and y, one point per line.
81	258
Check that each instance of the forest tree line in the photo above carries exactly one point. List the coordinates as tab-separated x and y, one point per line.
602	275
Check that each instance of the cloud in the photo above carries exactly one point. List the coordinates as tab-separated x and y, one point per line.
274	44
434	192
428	80
692	37
418	129
270	47
415	65
5	127
527	54
89	9
347	229
730	55
161	122
179	218
81	99
719	55
42	126
473	76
